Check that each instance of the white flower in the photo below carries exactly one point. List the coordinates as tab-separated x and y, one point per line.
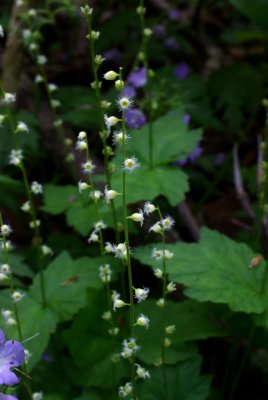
99	225
108	247
129	348
142	372
52	87
142	320
158	254
171	287
137	217
32	12
156	228
96	194
105	273
149	208
118	303
10	322
110	121
110	75
120	251
170	329
120	137
17	296
6	313
130	164
37	396
124	103
107	315
109	194
22	127
141	294
82	135
160	303
82	186
35	223
88	167
167	342
158	273
1	31
81	145
5	269
9	98
94	237
36	188
7	245
26	207
113	331
46	250
38	78
15	157
125	390
3	277
55	103
147	32
5	230
41	59
167	223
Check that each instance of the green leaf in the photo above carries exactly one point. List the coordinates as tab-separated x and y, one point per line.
256	10
184	382
57	199
215	269
18	267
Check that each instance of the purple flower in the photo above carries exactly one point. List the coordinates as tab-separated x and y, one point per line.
182	70
186	119
174	14
11	355
7	397
138	78
172	44
159	31
129	92
135	118
196	153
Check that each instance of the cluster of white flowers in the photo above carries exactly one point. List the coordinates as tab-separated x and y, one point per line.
125	390
81	143
8	317
129	348
159	254
165	224
15	157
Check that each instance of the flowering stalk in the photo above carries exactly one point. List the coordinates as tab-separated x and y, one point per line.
96	61
17	160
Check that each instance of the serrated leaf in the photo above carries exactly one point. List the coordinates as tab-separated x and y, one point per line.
215	269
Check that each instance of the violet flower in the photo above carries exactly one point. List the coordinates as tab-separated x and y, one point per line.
138	78
11	355
135	118
7	397
129	92
159	31
186	119
182	70
174	14
172	43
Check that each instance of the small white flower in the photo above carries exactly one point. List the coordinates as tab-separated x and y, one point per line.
3	277
147	32
46	250
141	372
32	12
35	223
105	273
125	390
41	59
129	348
9	98
118	303
5	230
107	315
143	320
110	121
15	157
158	273
124	103
108	247
160	303
86	10
130	164
171	287
94	237
158	254
36	188
120	137
120	251
10	322
170	329
110	75
149	208
96	194
1	31
88	167
37	396
109	194
82	186
137	217
82	135
22	127
55	103
52	87
94	35
156	228
17	296
7	245
38	78
33	47
141	294
167	223
27	355
167	342
6	313
81	145
5	269
113	331
26	207
99	225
